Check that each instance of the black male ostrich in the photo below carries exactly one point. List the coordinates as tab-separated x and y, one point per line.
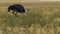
18	8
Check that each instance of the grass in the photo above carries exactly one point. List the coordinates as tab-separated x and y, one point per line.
43	18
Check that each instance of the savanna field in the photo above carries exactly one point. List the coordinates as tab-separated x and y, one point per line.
42	18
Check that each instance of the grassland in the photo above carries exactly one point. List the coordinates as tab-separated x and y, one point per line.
43	18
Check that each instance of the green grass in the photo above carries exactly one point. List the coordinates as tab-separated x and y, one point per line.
43	18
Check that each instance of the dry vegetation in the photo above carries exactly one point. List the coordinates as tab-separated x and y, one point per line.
43	18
